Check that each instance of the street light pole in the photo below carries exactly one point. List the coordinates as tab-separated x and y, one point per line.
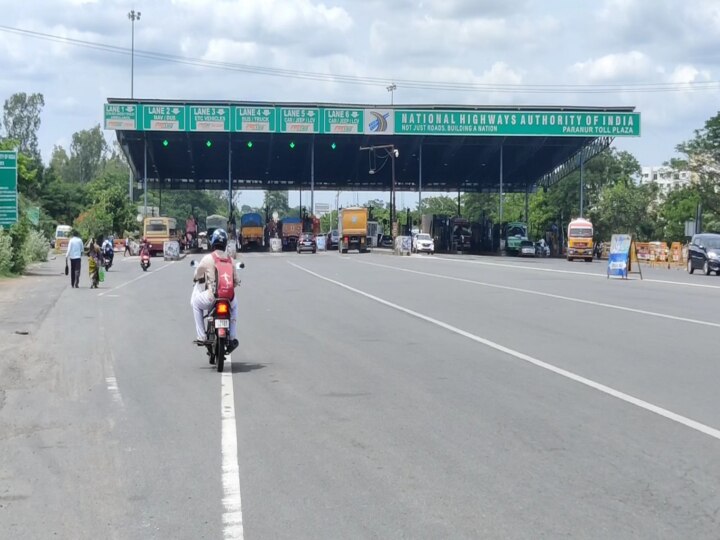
392	89
133	16
392	153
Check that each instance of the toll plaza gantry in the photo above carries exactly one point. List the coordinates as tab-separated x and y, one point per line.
176	144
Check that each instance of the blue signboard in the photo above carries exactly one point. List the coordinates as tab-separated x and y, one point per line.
619	258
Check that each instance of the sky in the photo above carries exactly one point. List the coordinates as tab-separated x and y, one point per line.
564	52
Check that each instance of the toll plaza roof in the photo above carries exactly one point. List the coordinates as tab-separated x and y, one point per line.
281	146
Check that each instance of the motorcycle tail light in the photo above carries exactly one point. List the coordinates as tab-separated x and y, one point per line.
222	308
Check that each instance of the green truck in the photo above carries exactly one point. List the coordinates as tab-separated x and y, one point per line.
515	233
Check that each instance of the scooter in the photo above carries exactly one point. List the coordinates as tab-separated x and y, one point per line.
217	329
145	258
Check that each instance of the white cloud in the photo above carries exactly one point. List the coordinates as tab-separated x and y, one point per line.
622	67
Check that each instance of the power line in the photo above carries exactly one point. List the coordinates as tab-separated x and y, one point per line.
630	88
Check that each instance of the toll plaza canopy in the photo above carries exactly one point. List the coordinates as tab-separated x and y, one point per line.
243	145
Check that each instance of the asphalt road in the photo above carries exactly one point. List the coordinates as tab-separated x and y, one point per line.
372	397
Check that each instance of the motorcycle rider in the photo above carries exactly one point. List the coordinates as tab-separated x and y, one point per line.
108	250
203	296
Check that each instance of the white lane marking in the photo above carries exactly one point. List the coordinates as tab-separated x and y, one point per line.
550	295
557	271
232	502
143	275
114	390
688	422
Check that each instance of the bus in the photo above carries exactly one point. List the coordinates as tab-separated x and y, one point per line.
580	240
62	237
158	230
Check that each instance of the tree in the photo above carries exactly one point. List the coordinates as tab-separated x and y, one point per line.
277	201
88	153
108	197
441	205
679	206
21	117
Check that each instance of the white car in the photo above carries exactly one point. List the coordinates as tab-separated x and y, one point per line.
527	248
423	243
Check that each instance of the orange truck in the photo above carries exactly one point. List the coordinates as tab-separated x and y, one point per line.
353	229
580	240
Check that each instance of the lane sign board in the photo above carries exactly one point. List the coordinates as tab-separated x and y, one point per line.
209	118
164	117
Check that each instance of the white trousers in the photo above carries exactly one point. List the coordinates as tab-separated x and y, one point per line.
202	300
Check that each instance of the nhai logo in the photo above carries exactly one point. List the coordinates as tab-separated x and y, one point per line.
379	121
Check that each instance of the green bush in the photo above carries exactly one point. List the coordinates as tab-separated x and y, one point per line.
36	247
6	253
18	235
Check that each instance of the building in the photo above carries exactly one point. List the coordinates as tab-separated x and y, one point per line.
666	177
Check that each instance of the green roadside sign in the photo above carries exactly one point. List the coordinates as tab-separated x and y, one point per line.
299	120
121	116
256	119
163	117
525	123
8	188
342	120
209	118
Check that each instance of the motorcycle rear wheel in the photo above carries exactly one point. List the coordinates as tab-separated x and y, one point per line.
220	353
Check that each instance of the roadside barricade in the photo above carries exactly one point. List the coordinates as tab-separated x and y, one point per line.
275	245
403	245
171	250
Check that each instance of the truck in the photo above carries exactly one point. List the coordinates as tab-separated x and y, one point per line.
213	222
580	240
461	235
252	231
290	230
515	233
353	229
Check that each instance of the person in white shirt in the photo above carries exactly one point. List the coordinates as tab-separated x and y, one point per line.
74	254
203	297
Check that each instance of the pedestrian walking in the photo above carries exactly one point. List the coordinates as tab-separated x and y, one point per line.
94	263
127	246
74	255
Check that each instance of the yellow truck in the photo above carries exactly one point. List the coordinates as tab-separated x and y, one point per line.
353	229
252	231
580	240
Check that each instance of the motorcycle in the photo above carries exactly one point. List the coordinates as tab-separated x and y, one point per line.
108	256
217	329
145	258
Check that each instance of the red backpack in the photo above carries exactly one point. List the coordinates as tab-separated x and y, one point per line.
224	277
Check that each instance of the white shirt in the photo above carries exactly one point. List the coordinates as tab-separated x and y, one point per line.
74	249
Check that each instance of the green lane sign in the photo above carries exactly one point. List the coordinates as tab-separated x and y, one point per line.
164	117
251	118
121	116
524	123
8	188
299	120
256	119
342	120
209	118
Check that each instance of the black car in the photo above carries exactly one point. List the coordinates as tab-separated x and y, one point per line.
704	254
333	239
386	241
306	242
